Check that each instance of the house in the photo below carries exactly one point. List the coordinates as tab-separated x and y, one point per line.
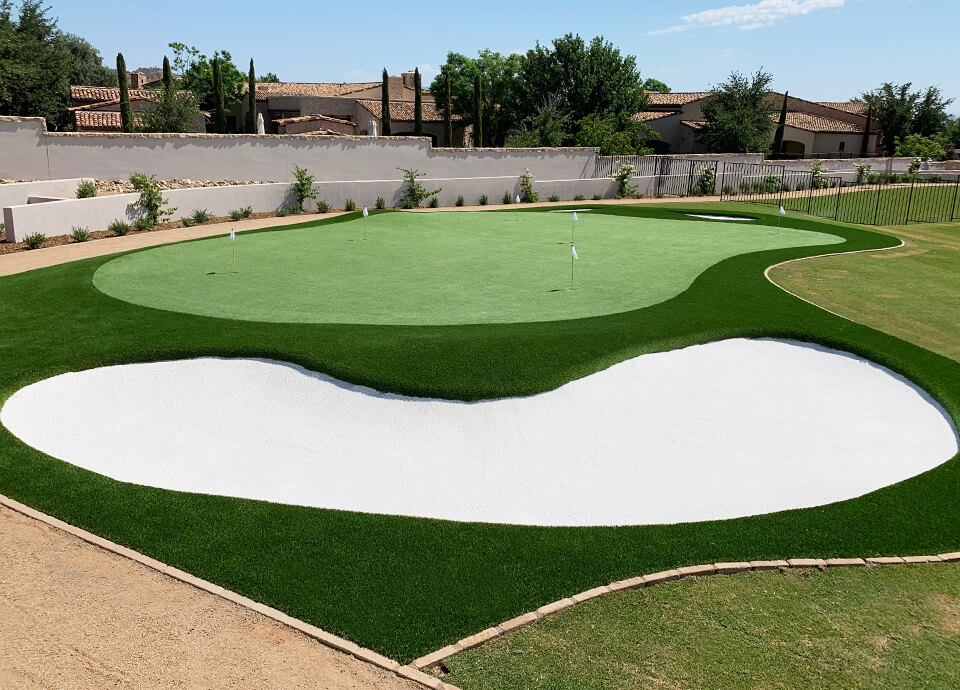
345	108
813	130
97	108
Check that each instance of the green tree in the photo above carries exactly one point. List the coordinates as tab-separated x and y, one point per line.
917	145
270	78
738	115
85	63
447	115
614	134
547	127
865	147
477	112
385	104
930	115
655	85
893	108
172	110
219	100
777	148
417	104
251	123
123	81
953	132
196	75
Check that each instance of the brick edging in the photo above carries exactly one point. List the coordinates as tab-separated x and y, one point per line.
435	659
369	656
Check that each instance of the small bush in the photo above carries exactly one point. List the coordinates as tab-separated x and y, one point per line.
186	222
909	177
302	188
819	175
381	204
155	207
527	193
770	184
578	197
729	190
79	234
414	192
241	213
200	216
350	205
484	200
554	197
706	183
144	223
119	228
597	197
801	187
86	189
460	201
35	240
936	178
283	213
506	198
863	172
434	202
323	206
623	175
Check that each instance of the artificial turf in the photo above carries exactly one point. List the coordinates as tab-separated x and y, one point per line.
439	268
406	586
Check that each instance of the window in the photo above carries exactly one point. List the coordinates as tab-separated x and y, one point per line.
843	145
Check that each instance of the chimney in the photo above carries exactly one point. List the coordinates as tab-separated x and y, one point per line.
137	80
408	79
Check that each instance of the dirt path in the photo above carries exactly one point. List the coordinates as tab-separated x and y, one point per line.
75	616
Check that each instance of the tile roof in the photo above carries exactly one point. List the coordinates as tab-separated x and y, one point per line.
402	111
101	120
676	99
323	132
647	115
805	121
97	94
312	118
267	89
694	124
847	106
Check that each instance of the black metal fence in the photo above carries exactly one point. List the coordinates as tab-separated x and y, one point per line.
671	176
892	201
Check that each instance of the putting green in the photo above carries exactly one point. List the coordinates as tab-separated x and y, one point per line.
439	268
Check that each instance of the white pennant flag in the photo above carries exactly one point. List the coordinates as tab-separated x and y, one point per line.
782	212
518	198
575	219
574	250
233	236
365	212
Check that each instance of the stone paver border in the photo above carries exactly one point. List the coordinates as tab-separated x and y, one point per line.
434	660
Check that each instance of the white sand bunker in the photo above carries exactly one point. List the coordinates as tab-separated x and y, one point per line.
713	217
732	428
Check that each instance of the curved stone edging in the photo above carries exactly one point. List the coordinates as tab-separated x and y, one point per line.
369	656
435	659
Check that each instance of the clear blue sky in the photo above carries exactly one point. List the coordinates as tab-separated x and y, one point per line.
816	49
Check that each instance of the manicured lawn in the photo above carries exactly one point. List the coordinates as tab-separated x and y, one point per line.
912	292
883	627
887	204
406	586
439	268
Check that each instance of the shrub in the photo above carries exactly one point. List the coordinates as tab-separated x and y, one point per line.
729	190
597	197
143	224
527	193
909	177
381	204
323	206
506	198
434	202
119	228
460	201
414	192
86	189
863	172
241	213
35	240
936	178
151	202
200	216
350	205
79	234
578	197
302	188
771	184
623	175
483	200
819	177
873	178
554	197
706	184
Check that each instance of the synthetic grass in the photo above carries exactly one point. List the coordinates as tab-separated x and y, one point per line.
887	205
886	627
439	268
407	586
912	292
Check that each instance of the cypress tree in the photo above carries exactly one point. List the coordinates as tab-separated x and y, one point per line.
417	104
781	127
865	148
167	75
385	104
219	107
126	115
252	101
447	119
477	113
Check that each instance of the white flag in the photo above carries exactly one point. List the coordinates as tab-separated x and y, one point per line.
518	198
233	235
574	250
365	213
575	219
782	212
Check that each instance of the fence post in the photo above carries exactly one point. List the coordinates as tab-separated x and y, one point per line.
836	213
956	190
910	201
723	179
783	171
876	212
810	194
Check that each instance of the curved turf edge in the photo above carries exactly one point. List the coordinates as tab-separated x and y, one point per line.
406	586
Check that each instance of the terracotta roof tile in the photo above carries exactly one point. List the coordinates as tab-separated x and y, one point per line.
100	120
647	115
312	118
267	89
805	121
96	94
402	111
677	99
846	106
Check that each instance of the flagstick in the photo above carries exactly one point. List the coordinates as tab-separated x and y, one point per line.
573	224
571	270
364	227
234	243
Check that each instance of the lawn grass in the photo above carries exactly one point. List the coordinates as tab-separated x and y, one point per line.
912	292
878	627
886	204
406	586
438	268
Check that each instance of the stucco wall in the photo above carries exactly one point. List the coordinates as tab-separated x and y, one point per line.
19	192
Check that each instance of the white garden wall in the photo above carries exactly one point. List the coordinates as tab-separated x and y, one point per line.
20	192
